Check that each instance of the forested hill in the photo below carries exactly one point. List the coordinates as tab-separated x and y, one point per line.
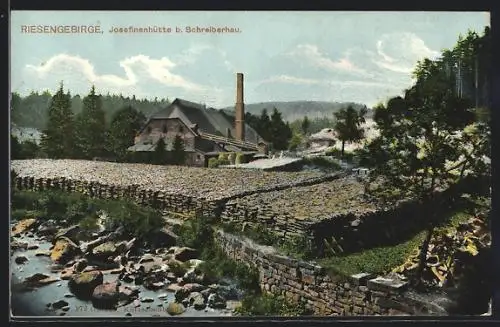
293	110
31	110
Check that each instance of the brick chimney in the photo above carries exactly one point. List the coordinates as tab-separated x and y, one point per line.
240	109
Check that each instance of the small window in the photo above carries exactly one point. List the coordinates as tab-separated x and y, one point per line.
181	130
149	129
164	129
198	157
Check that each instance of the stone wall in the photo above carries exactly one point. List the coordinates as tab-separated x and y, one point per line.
324	294
157	199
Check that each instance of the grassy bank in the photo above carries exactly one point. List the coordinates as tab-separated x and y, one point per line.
76	208
377	260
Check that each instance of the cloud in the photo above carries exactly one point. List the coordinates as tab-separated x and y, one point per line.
133	67
399	52
288	79
311	55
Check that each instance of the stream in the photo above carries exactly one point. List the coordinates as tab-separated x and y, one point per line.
41	300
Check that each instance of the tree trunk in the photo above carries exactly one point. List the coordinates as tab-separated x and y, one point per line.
422	260
342	151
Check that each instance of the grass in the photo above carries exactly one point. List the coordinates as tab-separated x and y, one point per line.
322	162
381	260
271	305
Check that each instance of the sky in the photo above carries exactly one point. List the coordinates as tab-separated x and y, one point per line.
363	57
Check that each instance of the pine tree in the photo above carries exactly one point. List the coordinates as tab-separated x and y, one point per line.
58	137
160	153
281	133
91	127
178	151
125	125
305	125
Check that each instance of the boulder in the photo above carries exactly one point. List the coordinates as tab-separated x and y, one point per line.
193	287
147	258
184	254
104	251
38	280
72	232
32	247
163	237
48	229
175	309
83	284
197	301
127	294
80	265
20	259
23	226
43	253
67	273
181	294
64	250
173	287
105	296
59	304
216	301
15	245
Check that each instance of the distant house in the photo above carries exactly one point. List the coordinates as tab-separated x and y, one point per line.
206	132
324	138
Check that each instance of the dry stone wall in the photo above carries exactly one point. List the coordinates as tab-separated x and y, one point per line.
157	199
323	294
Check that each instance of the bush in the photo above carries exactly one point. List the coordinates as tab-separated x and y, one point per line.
76	208
240	159
271	305
196	233
137	221
223	158
89	223
231	158
179	269
298	247
213	163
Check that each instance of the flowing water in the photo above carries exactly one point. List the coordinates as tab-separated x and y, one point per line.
35	302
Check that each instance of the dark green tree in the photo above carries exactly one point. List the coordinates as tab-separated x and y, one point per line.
178	151
160	153
91	127
15	148
125	125
264	125
281	133
305	125
58	137
348	125
420	135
